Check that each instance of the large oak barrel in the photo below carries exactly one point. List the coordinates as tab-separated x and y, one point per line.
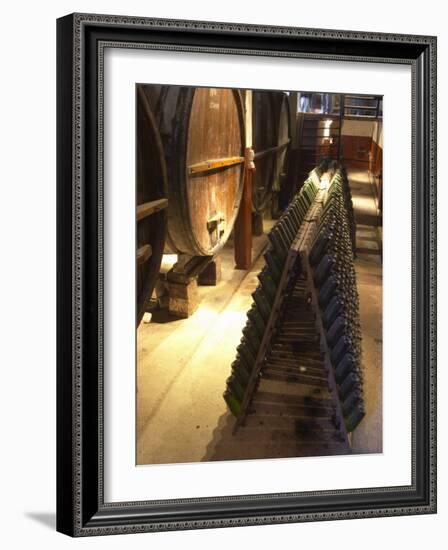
202	130
151	203
271	134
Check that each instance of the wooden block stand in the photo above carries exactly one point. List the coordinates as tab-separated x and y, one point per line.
211	275
182	284
183	298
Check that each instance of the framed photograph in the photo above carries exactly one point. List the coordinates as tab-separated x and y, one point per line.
246	274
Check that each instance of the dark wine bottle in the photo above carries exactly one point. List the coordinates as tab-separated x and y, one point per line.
275	266
246	353
333	309
350	383
338	327
257	320
240	372
344	345
355	417
323	269
251	336
267	283
347	365
353	399
263	304
232	402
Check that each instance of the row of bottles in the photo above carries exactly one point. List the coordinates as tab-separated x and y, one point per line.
332	260
332	171
280	239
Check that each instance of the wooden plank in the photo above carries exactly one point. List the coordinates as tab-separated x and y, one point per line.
354	96
305	379
291	423
295	368
144	253
352	116
270	150
292	411
279	354
213	164
361	107
294	359
147	208
243	223
277	386
282	399
303	436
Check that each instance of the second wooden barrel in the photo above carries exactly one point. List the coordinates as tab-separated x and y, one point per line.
271	131
284	131
202	130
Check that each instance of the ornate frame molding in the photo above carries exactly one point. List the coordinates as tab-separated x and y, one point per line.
81	42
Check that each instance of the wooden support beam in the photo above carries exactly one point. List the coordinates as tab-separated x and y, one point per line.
213	164
147	208
143	254
359	117
243	224
361	107
271	150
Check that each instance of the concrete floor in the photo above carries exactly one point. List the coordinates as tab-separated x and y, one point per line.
367	438
183	364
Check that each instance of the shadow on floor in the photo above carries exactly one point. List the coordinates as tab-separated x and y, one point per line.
222	436
47	519
368	219
161	316
367	438
256	442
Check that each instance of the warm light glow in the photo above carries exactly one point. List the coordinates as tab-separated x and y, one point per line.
327	124
168	261
325	181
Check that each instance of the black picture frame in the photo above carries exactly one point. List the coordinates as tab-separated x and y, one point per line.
81	510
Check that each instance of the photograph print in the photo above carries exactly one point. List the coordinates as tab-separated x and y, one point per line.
258	274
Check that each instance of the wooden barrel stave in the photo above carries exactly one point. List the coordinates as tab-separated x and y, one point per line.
151	202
